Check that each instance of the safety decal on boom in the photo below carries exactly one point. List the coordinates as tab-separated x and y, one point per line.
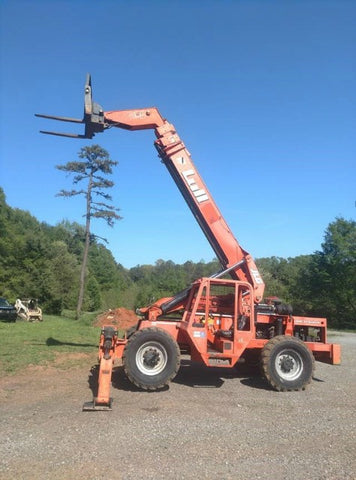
256	276
199	193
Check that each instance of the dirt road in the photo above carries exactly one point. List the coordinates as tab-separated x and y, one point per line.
209	424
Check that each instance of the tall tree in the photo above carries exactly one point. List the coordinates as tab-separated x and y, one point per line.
337	272
92	170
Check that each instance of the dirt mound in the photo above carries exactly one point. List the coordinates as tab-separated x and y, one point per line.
120	317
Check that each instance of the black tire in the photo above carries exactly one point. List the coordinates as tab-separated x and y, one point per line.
287	363
151	358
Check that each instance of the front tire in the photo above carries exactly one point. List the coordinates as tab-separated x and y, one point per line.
151	358
287	363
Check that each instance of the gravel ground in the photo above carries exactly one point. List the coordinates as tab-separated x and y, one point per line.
209	424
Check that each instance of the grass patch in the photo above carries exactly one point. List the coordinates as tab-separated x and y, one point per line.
58	340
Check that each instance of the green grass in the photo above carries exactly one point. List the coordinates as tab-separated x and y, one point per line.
60	341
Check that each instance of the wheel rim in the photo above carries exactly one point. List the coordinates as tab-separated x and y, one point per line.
151	358
289	364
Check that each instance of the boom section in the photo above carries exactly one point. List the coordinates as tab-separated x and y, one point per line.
179	163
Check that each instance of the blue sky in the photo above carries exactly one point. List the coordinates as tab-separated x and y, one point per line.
261	92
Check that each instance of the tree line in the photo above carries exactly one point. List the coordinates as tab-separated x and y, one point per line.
42	261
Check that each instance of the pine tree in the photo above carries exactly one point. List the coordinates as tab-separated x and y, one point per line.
93	168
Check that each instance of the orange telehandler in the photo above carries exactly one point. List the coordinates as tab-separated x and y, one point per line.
217	320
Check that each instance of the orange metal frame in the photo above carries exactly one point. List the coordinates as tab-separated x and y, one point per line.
197	331
200	337
211	327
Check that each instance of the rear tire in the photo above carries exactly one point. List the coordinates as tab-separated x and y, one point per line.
287	363
151	358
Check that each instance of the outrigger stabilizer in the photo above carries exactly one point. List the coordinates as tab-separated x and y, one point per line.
102	400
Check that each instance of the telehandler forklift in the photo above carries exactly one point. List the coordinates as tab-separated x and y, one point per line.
218	320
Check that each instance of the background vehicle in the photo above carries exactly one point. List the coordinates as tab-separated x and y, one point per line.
28	309
8	312
218	321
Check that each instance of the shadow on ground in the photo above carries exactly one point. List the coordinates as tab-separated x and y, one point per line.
191	374
195	375
52	342
118	380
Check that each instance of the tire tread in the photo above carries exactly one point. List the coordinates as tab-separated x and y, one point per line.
265	362
128	373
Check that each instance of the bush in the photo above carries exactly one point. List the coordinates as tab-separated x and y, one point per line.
53	306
